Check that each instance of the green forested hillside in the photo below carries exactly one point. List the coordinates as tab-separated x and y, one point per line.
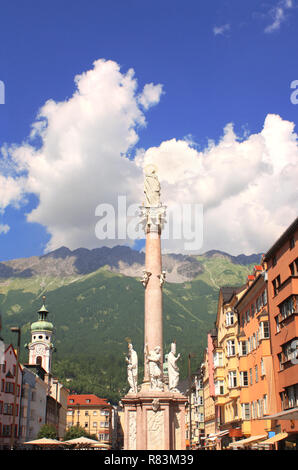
95	314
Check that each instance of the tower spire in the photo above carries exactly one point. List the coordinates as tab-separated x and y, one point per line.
41	347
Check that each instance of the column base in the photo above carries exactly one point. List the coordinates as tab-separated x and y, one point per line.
154	420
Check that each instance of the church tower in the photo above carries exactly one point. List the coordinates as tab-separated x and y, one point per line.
41	347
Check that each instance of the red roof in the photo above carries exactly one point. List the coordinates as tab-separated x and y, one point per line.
250	277
258	267
86	400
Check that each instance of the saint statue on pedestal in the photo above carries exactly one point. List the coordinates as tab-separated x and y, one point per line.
151	187
132	369
153	358
173	369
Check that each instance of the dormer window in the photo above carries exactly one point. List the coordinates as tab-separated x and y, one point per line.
230	318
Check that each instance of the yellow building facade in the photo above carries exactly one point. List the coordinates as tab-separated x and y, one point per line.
92	413
226	362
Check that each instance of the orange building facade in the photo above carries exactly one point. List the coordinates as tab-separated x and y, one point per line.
257	387
282	268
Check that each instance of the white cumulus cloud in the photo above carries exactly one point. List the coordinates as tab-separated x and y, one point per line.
81	162
247	185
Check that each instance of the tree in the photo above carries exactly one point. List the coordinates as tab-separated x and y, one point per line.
48	431
77	431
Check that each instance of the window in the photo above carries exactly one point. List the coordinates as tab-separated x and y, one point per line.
289	352
7	408
6	430
265	401
260	408
218	359
276	284
254	344
289	398
39	360
219	387
231	351
280	361
274	261
252	309
293	267
245	407
250	376
264	297
86	413
264	331
259	303
247	316
287	308
263	372
88	400
244	378
9	387
94	424
254	410
104	424
256	373
232	379
292	243
94	413
277	324
200	400
243	348
230	318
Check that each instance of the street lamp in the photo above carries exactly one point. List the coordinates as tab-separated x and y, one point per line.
15	329
190	355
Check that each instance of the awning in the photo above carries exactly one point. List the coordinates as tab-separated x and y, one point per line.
249	440
212	437
286	414
276	438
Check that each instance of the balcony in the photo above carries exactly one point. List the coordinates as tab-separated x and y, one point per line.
219	372
234	392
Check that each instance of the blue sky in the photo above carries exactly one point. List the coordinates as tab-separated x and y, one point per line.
218	62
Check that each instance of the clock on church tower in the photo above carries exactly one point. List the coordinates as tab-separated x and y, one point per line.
41	347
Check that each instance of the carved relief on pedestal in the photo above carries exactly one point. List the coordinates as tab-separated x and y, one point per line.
155	430
177	430
132	433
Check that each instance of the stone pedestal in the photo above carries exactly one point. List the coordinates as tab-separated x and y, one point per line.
154	420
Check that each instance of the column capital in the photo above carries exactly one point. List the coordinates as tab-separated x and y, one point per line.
153	218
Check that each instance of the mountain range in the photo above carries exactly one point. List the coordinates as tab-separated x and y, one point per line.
96	303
